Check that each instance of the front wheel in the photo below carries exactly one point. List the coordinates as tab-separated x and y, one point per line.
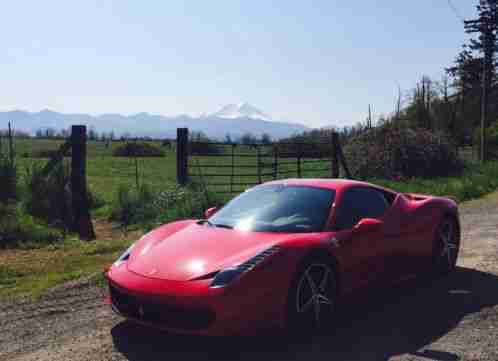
446	246
312	297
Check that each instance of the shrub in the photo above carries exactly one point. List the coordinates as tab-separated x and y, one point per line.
49	198
8	179
203	148
94	200
305	148
18	228
182	202
133	206
491	140
141	149
316	143
167	143
476	181
199	143
47	153
150	208
391	153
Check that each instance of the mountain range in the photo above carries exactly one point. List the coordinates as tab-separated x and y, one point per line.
233	119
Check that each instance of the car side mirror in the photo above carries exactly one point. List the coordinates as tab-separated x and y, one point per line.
368	225
209	212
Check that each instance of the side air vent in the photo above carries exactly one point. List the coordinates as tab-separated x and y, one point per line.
206	276
254	261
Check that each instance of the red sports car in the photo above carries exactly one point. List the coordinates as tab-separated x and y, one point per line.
281	254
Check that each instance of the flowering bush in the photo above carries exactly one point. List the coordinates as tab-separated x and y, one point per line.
392	153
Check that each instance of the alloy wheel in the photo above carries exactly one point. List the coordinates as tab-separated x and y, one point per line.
448	244
315	293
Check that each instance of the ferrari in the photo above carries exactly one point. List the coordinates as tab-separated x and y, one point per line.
282	255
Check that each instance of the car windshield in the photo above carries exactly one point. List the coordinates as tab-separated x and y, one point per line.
277	208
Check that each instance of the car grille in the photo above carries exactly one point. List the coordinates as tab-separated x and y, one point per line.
159	313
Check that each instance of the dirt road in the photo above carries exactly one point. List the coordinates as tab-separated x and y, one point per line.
455	318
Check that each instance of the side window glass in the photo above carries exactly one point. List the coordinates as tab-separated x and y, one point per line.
348	212
374	203
359	203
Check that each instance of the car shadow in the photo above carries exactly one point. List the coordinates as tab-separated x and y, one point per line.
388	322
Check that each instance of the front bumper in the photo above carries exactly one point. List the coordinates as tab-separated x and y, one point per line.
192	307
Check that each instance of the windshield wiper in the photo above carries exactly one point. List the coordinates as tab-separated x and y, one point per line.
219	225
202	221
222	225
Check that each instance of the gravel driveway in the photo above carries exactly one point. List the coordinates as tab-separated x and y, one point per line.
455	318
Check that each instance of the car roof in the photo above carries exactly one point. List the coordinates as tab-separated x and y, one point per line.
329	183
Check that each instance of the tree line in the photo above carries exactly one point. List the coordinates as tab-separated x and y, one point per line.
459	104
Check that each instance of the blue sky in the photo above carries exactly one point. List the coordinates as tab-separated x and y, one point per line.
316	62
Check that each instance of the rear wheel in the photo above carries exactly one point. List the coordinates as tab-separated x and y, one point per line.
312	296
446	246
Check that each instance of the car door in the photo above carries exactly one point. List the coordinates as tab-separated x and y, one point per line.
367	254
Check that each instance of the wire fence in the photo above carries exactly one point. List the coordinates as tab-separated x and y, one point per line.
231	168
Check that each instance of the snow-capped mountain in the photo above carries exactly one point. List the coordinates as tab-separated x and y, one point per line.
233	119
241	110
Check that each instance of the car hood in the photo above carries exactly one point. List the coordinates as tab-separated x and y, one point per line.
196	251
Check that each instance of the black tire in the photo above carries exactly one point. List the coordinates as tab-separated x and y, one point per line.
446	246
312	296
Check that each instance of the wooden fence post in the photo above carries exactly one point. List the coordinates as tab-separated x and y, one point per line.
12	155
275	161
82	222
232	169
203	183
299	152
342	159
339	155
259	164
334	166
182	156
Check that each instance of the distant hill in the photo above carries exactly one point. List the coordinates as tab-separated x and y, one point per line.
233	119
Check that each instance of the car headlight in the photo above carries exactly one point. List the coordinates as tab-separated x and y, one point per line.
228	275
124	257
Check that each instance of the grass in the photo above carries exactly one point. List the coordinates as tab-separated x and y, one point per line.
20	230
106	173
32	272
25	146
474	183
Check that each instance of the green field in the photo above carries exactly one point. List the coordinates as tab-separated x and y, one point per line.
106	173
24	147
